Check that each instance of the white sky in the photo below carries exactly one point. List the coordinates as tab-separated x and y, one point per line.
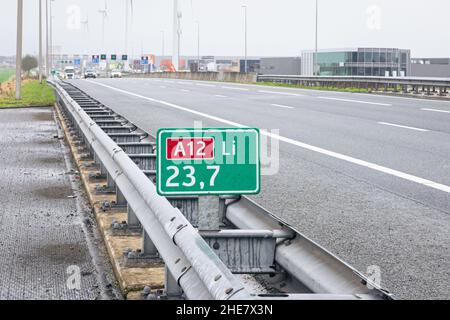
276	28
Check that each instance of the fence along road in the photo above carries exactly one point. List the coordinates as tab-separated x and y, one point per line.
365	216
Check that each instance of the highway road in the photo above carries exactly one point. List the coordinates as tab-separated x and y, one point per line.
366	176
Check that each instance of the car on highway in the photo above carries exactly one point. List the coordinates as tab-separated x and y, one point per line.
116	74
90	74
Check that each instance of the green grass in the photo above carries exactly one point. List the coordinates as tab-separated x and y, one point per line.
33	94
6	74
354	90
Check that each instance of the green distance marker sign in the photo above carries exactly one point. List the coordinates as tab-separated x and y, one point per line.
208	162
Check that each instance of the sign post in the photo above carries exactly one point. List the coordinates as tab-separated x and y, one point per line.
206	162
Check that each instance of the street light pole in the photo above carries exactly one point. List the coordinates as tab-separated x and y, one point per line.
19	49
163	44
47	46
316	69
40	41
198	46
51	36
245	18
176	35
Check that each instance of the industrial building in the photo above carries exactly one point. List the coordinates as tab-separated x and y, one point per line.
430	67
220	64
376	62
281	66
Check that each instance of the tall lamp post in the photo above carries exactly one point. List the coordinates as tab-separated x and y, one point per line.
51	36
40	41
198	45
47	36
177	16
19	49
163	45
245	33
316	68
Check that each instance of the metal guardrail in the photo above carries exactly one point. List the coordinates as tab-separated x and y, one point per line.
200	273
203	264
406	83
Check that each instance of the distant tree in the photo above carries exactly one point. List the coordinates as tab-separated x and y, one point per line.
29	63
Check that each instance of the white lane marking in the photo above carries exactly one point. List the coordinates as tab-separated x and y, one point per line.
404	127
163	87
184	90
232	88
184	82
206	85
281	106
282	93
220	96
436	110
373	166
357	101
397	97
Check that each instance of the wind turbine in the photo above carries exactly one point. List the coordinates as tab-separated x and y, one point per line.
86	23
128	5
104	14
177	32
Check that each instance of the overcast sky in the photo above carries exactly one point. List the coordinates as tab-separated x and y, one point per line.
275	28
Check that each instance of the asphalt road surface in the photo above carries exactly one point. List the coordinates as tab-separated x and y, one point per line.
366	176
49	245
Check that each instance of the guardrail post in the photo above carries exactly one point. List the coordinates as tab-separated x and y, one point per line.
132	219
120	199
208	213
147	255
103	170
148	247
173	290
110	181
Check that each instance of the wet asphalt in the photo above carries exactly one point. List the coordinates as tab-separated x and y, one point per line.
50	248
366	217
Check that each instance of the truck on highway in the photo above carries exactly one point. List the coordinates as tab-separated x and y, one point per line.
69	73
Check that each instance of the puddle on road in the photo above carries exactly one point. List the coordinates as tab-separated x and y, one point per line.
60	254
43	116
47	142
50	159
70	253
60	192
